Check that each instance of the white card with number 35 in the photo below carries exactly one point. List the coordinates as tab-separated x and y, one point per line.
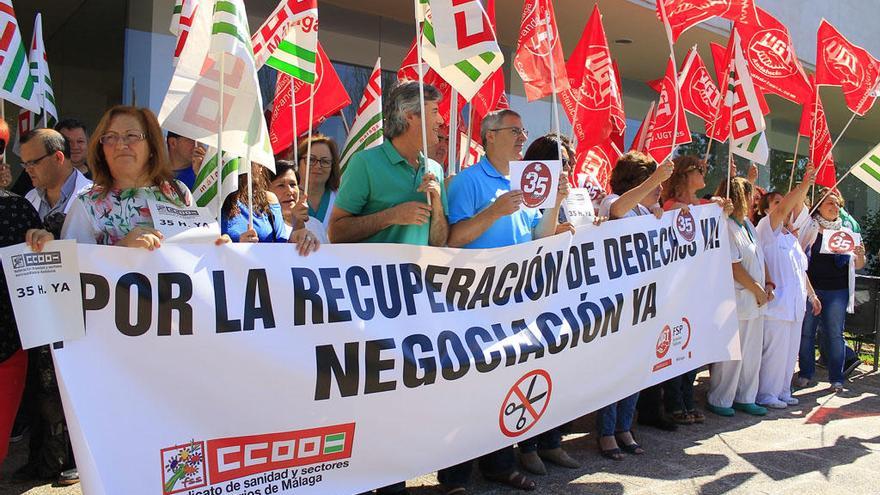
841	241
538	180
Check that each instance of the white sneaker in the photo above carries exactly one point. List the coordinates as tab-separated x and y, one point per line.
774	404
791	401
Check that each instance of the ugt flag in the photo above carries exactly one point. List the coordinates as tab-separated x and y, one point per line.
669	127
814	125
840	63
539	43
684	14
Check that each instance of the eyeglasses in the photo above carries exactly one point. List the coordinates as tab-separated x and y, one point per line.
34	162
129	138
517	131
321	162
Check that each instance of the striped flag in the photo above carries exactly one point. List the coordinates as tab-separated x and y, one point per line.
468	75
192	103
470	155
288	40
17	85
868	169
366	131
181	22
204	189
39	71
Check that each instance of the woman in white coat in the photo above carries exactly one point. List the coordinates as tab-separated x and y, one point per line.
787	265
733	385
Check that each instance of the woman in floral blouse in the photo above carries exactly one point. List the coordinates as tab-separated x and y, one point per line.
130	166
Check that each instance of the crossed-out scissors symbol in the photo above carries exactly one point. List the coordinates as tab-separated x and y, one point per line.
526	402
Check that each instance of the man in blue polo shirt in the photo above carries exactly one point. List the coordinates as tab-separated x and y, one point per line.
485	213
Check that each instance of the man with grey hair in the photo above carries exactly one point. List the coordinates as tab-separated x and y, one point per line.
43	156
393	193
396	174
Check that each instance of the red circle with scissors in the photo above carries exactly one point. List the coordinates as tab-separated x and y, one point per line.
535	184
525	403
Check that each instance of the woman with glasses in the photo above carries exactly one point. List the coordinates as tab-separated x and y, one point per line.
131	168
263	221
323	180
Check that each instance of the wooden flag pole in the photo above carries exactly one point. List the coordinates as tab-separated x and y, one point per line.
729	155
794	162
422	91
470	130
250	184
309	142
708	149
220	140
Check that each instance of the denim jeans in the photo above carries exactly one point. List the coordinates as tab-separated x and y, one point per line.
617	417
833	316
549	440
492	464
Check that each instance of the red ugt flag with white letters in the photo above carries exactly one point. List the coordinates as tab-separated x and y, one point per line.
660	136
840	63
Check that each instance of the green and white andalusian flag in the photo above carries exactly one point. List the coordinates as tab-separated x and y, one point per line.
288	40
468	73
205	189
366	131
753	148
868	169
192	108
16	84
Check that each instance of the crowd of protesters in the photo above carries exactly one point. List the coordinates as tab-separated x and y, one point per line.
95	190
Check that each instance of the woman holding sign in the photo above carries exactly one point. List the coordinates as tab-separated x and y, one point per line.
733	385
832	274
131	168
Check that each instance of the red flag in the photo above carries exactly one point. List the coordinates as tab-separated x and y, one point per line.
593	166
767	46
641	138
593	104
815	126
699	94
660	140
492	95
618	114
330	97
840	63
538	37
720	60
684	14
409	71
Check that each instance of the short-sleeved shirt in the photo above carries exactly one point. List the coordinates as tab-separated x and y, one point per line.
269	226
99	217
380	178
744	249
787	265
475	189
17	216
186	175
605	208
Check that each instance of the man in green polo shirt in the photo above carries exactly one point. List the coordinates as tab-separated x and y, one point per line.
384	192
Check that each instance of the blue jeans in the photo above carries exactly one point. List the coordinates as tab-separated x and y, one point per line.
617	417
833	316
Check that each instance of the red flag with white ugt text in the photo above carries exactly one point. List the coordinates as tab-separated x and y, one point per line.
840	63
660	136
684	14
538	43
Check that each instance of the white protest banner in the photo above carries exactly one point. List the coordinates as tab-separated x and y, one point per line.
246	367
184	224
578	207
538	181
45	292
841	241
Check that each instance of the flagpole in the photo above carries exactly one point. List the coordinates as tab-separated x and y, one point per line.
293	143
469	133
554	111
250	183
345	123
675	79
422	90
3	116
220	140
729	153
453	126
133	93
794	162
708	149
309	142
